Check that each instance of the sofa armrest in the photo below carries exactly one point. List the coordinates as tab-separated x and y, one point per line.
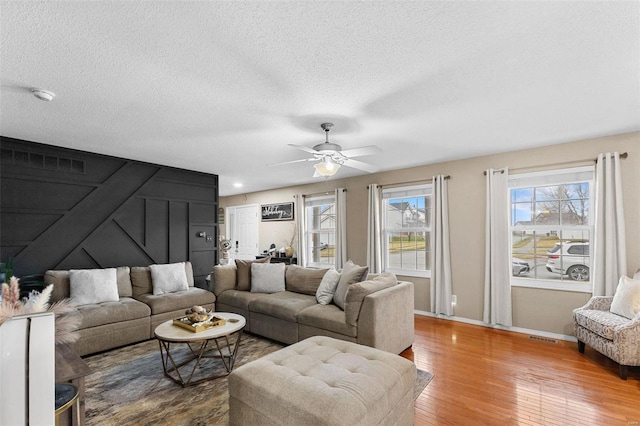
598	303
386	318
626	339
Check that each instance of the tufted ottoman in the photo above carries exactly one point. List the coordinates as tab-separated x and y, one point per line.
323	381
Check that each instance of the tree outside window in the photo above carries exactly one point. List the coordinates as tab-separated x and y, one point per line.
551	227
406	229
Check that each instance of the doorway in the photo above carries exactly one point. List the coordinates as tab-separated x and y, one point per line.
242	231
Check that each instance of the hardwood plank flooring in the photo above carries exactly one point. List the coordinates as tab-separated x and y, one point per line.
486	376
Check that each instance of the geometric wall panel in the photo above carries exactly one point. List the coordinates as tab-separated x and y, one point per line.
63	209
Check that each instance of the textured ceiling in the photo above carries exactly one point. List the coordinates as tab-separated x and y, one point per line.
223	87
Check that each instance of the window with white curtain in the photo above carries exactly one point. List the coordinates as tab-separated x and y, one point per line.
551	216
320	232
406	219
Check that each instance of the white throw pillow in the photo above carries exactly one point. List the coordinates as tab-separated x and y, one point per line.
89	286
168	278
328	285
267	277
626	301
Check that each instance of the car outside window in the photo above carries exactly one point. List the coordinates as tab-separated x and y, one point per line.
551	228
406	218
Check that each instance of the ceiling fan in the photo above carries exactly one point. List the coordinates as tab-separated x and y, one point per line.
331	156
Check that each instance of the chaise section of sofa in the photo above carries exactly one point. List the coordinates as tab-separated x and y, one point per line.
378	312
133	317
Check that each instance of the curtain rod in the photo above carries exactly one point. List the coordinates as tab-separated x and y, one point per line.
321	193
447	177
595	160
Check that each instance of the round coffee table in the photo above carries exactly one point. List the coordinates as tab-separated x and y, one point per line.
223	336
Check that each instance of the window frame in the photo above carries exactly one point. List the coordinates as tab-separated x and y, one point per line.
309	203
395	193
564	176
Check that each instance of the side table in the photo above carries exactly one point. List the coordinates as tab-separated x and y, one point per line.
71	368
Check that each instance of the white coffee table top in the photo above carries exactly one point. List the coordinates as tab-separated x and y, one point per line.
173	333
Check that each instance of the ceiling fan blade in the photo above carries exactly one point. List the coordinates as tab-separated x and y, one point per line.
291	162
357	152
304	148
361	165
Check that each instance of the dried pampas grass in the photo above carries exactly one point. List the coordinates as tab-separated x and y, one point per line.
11	306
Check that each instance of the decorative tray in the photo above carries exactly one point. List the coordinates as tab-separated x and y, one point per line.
214	321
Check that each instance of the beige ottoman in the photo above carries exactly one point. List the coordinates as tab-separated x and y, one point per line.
323	381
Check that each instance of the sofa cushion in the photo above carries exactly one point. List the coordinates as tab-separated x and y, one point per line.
327	317
239	299
94	315
304	280
351	273
62	285
603	323
358	291
224	278
168	302
93	286
141	279
267	277
626	300
285	305
168	278
243	273
327	287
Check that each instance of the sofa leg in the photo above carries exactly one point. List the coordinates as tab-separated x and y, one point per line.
580	347
623	371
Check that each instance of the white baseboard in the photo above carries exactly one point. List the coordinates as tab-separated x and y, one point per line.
499	327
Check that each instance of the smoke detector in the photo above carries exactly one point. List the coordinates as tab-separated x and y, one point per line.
43	95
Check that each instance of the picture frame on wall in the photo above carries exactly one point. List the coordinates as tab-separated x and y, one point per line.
276	212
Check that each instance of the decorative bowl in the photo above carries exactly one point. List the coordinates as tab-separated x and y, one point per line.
195	317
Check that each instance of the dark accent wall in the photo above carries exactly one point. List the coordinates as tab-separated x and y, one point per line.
62	208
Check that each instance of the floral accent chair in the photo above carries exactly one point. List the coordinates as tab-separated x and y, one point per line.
611	324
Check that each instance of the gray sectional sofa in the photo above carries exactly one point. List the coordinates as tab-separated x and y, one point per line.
377	312
135	314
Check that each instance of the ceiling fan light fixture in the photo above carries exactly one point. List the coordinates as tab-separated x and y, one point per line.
326	167
43	95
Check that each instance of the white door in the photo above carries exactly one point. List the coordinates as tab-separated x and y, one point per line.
242	230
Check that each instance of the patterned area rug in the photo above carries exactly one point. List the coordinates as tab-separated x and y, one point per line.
127	387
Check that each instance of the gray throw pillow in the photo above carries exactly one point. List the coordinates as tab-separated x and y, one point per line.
351	273
243	272
267	277
358	291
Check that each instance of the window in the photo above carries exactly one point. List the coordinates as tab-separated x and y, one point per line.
406	218
320	232
551	228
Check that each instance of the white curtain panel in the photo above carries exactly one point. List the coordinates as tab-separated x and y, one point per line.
440	252
497	274
341	227
301	248
609	254
374	230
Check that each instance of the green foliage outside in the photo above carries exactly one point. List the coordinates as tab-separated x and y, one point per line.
411	242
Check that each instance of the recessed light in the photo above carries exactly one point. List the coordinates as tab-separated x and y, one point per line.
237	185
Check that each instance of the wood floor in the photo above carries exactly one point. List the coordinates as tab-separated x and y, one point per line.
484	376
